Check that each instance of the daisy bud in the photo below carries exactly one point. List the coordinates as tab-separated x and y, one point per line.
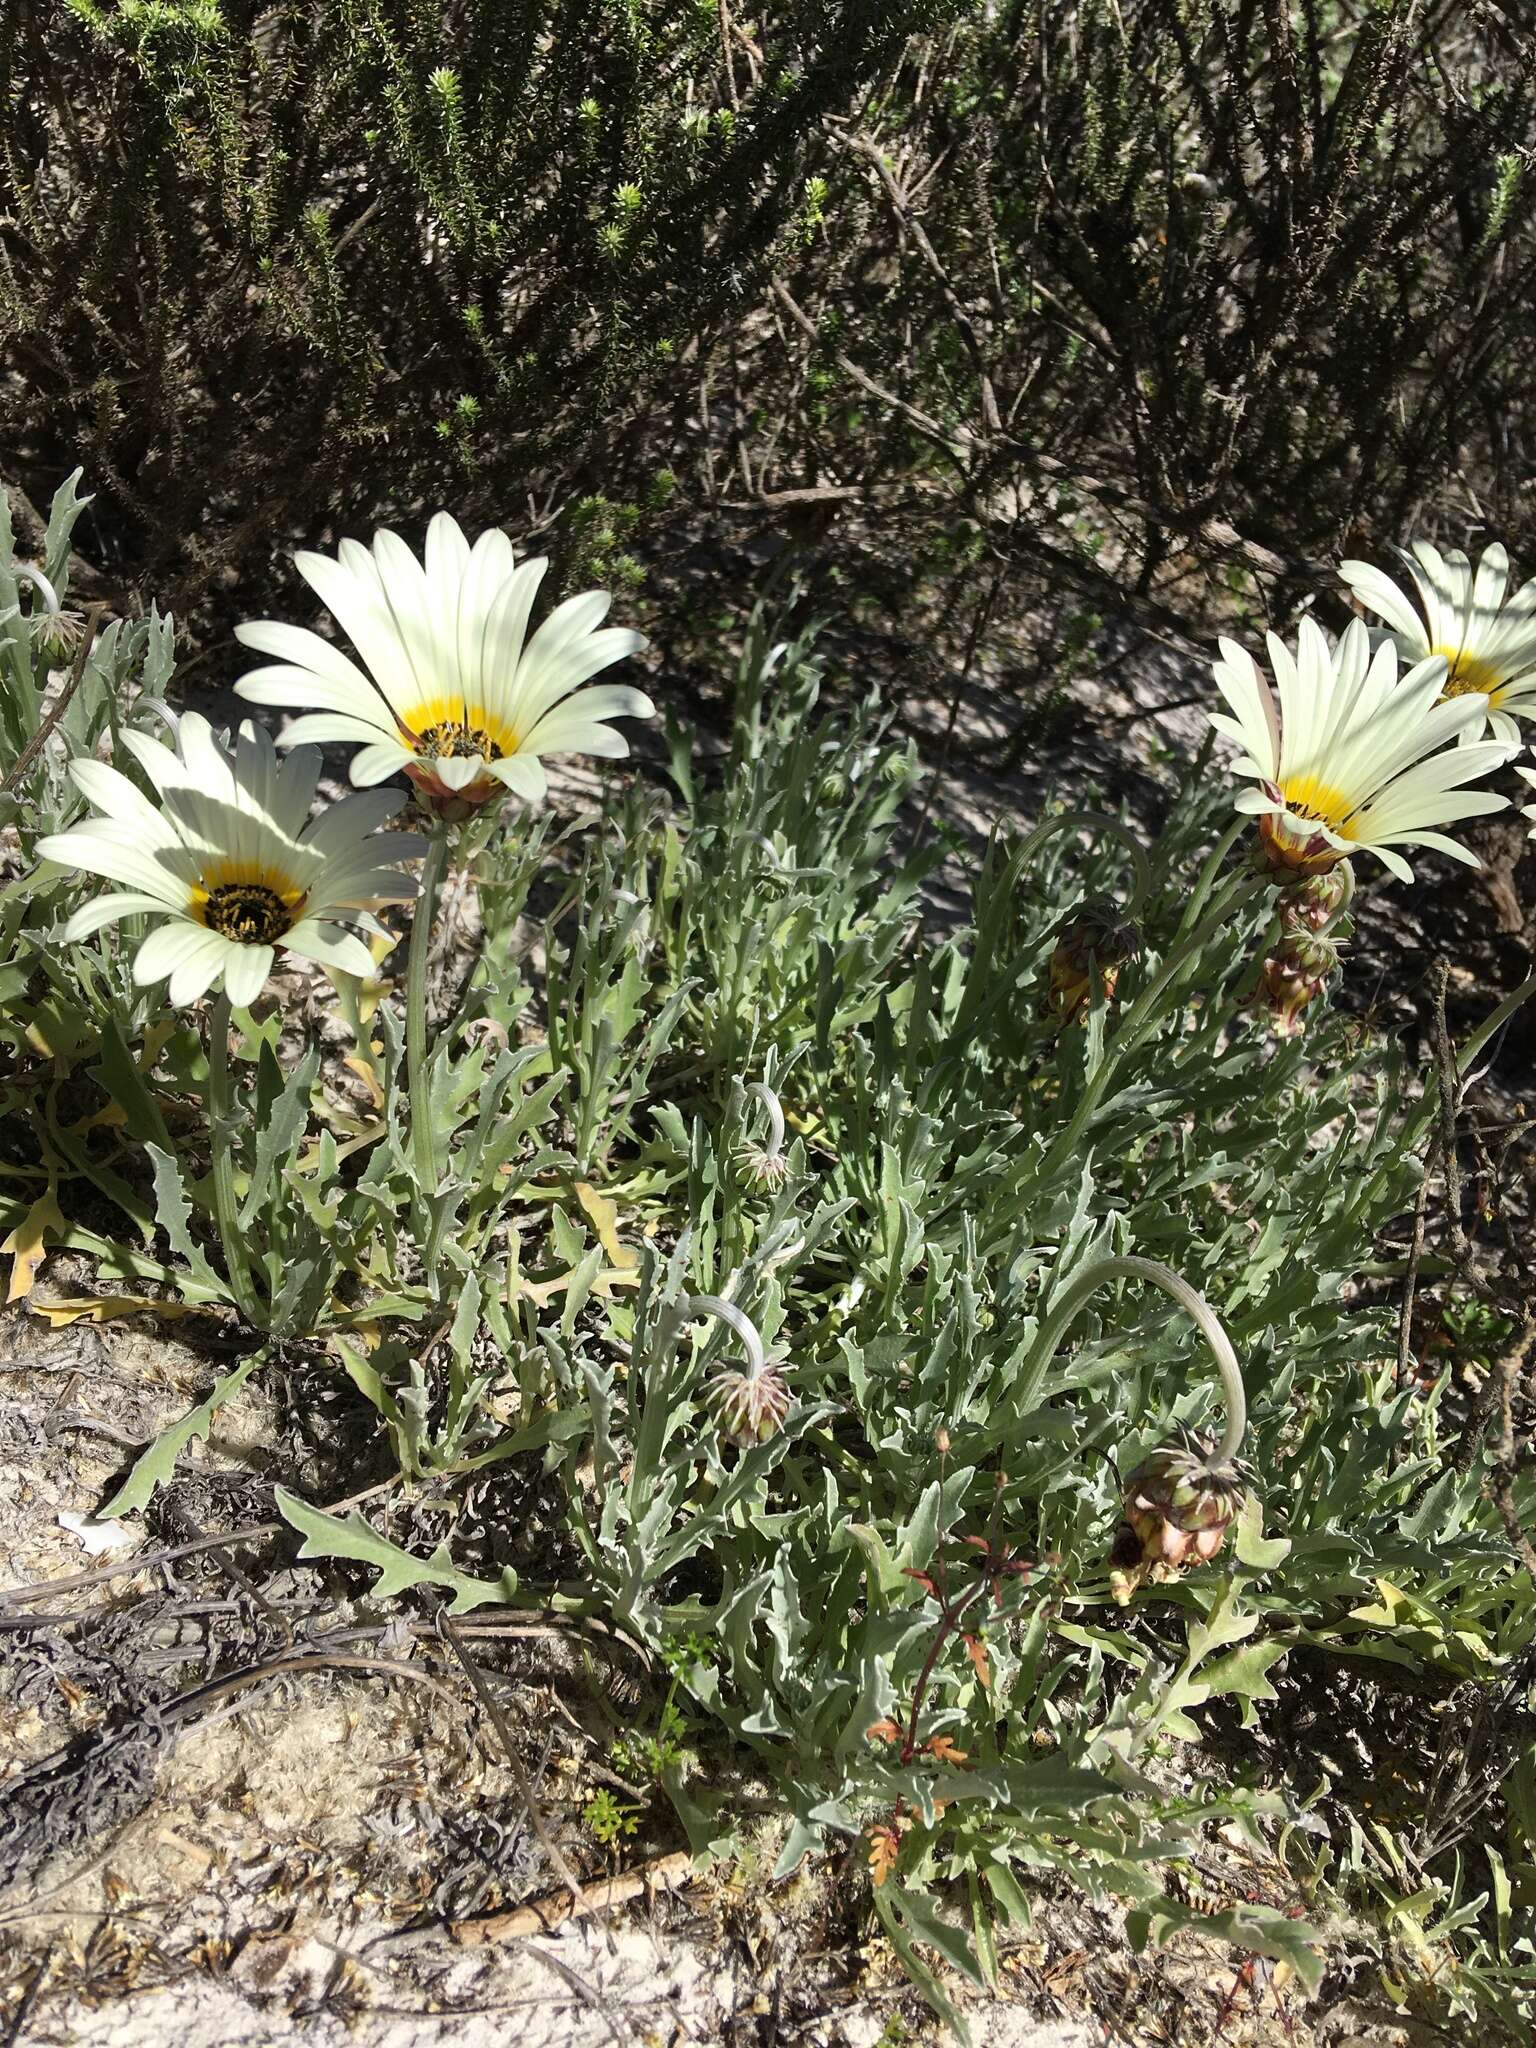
1312	902
1179	1505
751	1406
1294	976
1099	938
768	1169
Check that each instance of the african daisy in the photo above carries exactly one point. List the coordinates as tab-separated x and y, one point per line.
228	862
1351	760
1489	643
455	692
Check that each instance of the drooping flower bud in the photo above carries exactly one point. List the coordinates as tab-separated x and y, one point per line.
1294	975
1179	1505
751	1405
1097	939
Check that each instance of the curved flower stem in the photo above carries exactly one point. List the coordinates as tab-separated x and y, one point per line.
739	1321
221	1117
1070	821
423	1138
1194	1305
24	572
1144	1007
775	1145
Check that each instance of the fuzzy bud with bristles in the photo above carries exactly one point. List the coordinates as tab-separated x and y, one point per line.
1294	975
1313	902
751	1405
1179	1505
1096	940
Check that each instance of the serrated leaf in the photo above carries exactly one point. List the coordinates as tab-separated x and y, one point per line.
605	1221
105	1308
155	1466
354	1538
174	1214
1244	1672
895	1925
1251	1546
25	1242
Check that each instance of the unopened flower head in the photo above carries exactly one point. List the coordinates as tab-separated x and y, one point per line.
224	859
1294	975
1096	941
456	694
1315	902
751	1403
1487	640
1354	758
1179	1505
54	629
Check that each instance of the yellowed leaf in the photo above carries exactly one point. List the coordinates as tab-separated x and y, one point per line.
605	1221
105	1308
25	1243
542	1292
366	1073
112	1116
156	1038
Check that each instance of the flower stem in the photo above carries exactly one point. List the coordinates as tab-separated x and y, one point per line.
423	1138
1195	1306
1145	1006
1212	869
738	1320
221	1119
1071	821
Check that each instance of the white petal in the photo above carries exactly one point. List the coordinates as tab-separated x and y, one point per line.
200	970
104	910
295	689
167	873
245	973
524	775
313	939
376	763
1380	594
320	728
354	598
167	946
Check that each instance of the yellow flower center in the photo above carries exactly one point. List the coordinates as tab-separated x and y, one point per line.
1469	674
1308	796
252	905
446	728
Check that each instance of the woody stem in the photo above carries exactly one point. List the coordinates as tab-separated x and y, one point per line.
949	1621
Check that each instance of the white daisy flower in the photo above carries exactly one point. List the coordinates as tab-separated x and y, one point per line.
227	859
1529	810
1489	644
455	692
1350	760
